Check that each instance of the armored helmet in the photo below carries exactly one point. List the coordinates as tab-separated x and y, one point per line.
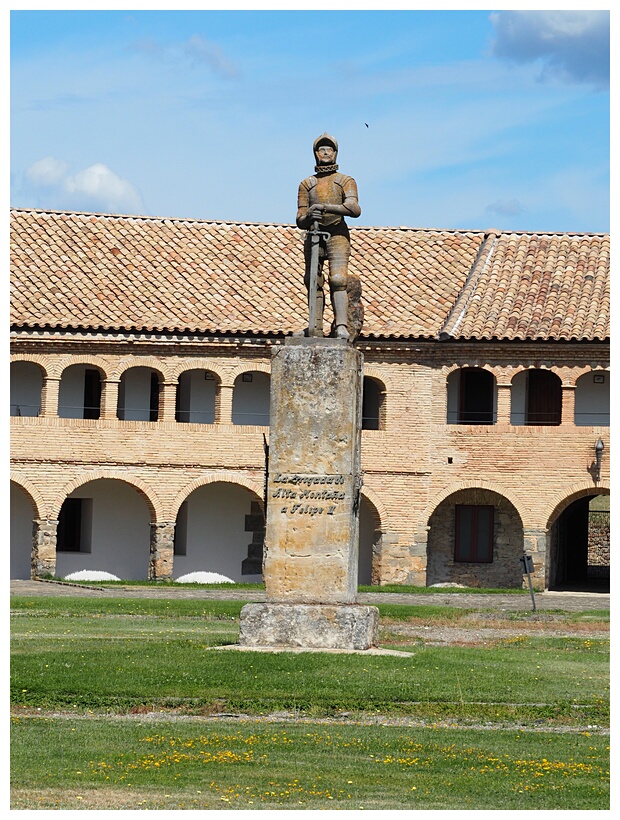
323	139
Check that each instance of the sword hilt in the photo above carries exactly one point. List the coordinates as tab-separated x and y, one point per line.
316	232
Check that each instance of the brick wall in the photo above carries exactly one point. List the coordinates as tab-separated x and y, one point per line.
410	467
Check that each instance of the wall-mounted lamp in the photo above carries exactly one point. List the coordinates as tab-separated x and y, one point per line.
598	449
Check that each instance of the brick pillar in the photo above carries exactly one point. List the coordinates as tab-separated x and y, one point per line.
568	404
44	532
503	403
161	551
224	416
535	543
167	401
49	396
109	398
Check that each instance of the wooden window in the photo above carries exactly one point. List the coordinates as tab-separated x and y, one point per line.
473	533
544	398
154	397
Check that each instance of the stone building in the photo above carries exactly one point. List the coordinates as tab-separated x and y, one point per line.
140	360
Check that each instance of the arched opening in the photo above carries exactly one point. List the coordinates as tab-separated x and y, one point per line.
373	404
220	528
370	539
26	386
536	398
476	540
592	399
579	546
21	523
138	395
196	396
79	393
104	525
472	396
251	399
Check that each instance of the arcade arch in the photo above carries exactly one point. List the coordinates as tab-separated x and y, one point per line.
373	404
475	539
472	396
579	542
250	404
592	399
536	398
138	394
26	384
370	533
22	514
104	525
79	394
196	396
220	528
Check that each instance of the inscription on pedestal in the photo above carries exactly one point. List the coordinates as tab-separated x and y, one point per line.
309	493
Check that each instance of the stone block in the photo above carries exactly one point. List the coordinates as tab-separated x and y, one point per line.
314	481
311	626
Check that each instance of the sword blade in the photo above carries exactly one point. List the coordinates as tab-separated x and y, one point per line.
314	274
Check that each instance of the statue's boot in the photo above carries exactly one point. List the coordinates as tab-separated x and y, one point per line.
341	305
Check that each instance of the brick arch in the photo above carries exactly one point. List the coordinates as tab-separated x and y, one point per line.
31	491
563	500
224	477
42	361
491	486
194	364
377	375
139	361
520	368
376	502
145	491
447	370
252	368
580	372
93	361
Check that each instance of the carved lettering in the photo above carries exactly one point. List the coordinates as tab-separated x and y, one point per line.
309	489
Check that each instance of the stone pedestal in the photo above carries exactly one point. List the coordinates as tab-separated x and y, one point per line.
313	495
310	626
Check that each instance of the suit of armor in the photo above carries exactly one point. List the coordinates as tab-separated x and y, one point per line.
327	197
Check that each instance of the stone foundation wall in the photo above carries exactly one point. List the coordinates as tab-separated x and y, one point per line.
504	571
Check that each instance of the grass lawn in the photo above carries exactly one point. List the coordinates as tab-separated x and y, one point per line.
86	673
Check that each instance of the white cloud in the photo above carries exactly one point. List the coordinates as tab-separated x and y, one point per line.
47	172
101	186
573	45
96	188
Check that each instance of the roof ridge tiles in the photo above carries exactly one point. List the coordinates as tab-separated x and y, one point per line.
249	223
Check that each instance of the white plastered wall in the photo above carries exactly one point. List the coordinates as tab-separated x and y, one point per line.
592	399
134	395
197	397
21	533
251	400
214	536
71	393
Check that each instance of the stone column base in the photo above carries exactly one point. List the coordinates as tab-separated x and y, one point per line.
310	626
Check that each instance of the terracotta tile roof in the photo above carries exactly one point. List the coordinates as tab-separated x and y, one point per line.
542	286
99	271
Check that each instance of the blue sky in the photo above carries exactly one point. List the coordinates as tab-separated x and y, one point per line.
447	119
